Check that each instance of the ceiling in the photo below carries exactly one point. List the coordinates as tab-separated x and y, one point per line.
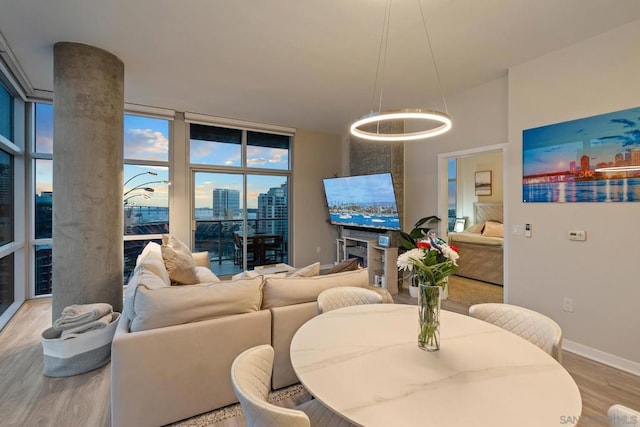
306	64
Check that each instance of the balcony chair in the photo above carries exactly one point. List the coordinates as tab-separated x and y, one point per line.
344	296
528	324
251	379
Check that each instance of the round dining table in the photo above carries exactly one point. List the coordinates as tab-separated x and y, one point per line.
363	362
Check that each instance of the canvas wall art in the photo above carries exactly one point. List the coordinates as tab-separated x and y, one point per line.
483	183
594	159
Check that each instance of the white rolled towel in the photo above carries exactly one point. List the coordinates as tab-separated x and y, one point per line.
80	314
102	322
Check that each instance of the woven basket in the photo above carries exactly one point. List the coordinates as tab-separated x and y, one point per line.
88	351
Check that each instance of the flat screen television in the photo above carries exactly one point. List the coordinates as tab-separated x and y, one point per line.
362	201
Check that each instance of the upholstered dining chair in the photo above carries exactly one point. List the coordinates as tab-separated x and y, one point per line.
251	379
620	415
530	325
344	296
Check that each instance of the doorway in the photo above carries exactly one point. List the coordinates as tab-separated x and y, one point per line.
471	192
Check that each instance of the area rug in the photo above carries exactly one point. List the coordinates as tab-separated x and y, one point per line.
286	397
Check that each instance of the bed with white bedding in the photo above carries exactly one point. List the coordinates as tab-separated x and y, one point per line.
481	245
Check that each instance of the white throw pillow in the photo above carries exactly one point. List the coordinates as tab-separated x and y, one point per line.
178	260
205	275
149	272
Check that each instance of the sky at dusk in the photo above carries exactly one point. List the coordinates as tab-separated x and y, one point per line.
147	139
551	148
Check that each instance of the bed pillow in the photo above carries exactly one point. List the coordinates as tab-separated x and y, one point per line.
178	260
476	228
493	229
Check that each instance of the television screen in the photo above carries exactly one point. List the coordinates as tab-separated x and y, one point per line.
367	201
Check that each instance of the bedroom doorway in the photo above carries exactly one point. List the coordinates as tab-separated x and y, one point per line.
471	194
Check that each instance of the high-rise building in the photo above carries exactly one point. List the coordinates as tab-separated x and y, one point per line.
273	205
226	203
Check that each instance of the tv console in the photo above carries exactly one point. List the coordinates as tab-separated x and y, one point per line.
380	261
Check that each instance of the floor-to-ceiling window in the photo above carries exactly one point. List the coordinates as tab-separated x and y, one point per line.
11	200
241	181
146	184
452	187
145	193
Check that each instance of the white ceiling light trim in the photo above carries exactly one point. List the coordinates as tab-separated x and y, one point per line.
385	133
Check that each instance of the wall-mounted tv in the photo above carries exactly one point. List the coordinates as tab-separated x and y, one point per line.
362	201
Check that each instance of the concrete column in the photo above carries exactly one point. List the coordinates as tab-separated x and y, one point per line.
87	175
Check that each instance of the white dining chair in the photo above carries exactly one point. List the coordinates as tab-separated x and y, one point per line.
530	325
251	380
620	415
344	296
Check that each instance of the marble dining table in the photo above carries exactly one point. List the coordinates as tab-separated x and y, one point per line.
364	363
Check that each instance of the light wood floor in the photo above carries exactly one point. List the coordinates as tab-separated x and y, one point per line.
28	398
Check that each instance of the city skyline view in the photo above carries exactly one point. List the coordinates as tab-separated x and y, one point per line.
552	148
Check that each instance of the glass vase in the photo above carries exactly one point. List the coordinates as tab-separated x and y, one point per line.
429	317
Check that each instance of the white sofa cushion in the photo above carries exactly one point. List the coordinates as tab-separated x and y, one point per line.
281	291
175	305
150	272
178	260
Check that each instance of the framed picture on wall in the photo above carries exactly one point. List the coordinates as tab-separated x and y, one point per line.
458	227
483	183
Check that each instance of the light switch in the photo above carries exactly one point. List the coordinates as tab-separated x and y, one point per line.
518	230
579	235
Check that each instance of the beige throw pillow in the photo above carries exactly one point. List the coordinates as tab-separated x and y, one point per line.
205	275
476	228
178	260
308	271
493	229
346	265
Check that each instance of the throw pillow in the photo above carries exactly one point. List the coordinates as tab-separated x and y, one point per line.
201	259
346	265
308	271
178	260
493	229
205	275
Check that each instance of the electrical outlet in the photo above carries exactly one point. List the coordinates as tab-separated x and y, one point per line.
518	230
567	304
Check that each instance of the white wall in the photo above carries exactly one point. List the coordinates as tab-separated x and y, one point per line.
479	119
315	156
599	75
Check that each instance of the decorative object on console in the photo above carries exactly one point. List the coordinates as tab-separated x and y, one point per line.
431	263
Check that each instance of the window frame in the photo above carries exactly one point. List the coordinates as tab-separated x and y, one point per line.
243	169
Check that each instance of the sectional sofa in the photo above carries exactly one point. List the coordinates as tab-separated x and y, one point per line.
172	351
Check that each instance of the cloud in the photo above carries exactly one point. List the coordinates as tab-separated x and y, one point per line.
145	144
625	123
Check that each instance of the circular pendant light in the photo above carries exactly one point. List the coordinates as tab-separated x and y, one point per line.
374	119
375	126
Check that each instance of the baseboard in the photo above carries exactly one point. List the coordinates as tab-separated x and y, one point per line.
602	357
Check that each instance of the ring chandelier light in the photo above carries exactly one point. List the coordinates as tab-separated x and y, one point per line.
371	126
